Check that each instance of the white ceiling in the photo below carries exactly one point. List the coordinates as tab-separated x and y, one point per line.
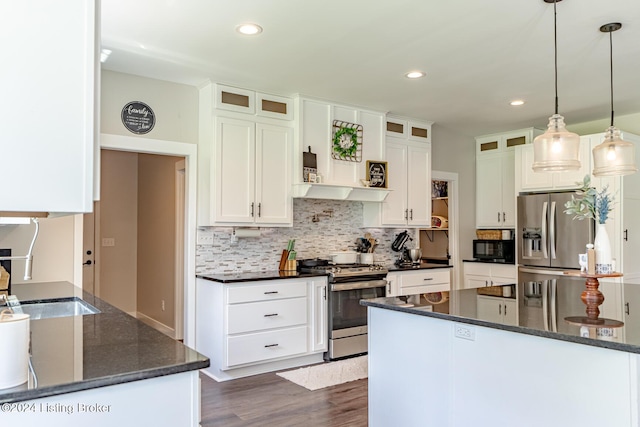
478	55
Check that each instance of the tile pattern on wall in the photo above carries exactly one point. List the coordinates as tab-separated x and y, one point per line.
224	254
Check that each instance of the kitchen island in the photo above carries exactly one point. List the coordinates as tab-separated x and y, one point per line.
463	371
102	369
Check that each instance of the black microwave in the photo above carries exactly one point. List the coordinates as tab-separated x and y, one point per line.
495	250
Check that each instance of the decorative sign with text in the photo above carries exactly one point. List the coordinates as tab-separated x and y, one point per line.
138	117
377	174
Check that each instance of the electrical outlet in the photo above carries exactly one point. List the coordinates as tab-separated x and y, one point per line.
108	241
465	332
162	305
204	237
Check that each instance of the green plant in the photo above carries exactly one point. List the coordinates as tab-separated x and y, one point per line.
345	141
591	203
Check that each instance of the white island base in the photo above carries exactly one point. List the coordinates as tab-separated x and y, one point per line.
422	374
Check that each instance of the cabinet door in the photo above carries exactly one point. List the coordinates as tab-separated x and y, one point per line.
509	313
419	186
319	320
531	180
47	131
473	282
234	172
394	208
489	191
490	309
508	189
274	145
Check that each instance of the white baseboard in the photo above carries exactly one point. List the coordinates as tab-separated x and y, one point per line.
156	325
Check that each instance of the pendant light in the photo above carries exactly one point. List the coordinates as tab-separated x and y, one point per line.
556	150
614	156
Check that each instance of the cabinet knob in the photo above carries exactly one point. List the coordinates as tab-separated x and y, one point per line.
626	307
505	309
259	209
270	345
406	214
252	205
271	315
500	309
626	235
271	292
428	278
411	214
504	217
498	216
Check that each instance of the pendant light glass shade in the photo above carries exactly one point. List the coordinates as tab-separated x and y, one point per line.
614	156
557	149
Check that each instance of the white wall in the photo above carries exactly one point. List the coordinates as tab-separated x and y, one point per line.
629	123
52	253
454	152
175	106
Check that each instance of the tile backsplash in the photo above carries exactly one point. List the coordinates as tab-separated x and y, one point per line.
313	239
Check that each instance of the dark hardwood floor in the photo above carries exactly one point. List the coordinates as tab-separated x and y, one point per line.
268	400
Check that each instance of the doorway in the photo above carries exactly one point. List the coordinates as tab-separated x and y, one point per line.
172	261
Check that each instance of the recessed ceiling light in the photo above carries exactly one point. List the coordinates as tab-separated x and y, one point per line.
249	29
414	74
516	102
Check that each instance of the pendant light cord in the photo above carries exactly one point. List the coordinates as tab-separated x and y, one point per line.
555	48
611	69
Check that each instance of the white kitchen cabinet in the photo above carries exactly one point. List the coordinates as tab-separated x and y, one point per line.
409	202
254	327
319	333
528	180
478	275
400	283
409	129
497	310
49	105
251	173
495	175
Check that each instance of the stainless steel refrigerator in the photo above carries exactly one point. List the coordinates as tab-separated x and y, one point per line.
546	236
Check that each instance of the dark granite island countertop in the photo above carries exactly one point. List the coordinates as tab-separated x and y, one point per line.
76	353
254	276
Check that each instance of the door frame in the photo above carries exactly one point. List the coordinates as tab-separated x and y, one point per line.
189	152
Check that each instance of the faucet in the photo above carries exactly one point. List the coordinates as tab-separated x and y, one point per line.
29	256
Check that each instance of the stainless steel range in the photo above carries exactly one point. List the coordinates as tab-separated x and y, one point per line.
348	284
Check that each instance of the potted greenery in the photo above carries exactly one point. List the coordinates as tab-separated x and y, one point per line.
596	205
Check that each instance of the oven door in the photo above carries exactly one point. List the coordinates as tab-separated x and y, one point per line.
348	319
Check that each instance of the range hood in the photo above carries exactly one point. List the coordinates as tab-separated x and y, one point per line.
339	192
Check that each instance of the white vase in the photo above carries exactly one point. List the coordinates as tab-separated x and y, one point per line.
602	246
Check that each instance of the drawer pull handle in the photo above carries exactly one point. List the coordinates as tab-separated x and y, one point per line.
270	345
429	278
271	315
271	292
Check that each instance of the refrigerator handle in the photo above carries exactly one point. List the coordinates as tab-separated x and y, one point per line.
552	230
553	307
545	304
543	243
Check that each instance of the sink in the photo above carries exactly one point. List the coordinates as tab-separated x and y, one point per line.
59	307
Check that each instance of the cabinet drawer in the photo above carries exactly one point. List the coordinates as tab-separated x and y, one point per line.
263	346
507	273
477	268
258	316
266	292
424	278
424	289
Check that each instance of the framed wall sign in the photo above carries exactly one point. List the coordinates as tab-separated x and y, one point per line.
138	117
377	174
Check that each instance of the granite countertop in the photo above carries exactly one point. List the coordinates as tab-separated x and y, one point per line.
77	353
421	266
256	276
567	304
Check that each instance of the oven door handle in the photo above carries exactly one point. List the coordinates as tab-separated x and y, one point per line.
367	284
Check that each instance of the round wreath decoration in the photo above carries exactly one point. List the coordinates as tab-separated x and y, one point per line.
345	142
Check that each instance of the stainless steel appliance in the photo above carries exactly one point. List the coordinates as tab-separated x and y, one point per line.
494	250
546	297
548	237
348	284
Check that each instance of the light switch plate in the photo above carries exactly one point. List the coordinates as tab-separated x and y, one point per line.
108	241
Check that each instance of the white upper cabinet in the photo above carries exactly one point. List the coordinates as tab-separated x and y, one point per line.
408	157
528	180
495	177
251	173
48	81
